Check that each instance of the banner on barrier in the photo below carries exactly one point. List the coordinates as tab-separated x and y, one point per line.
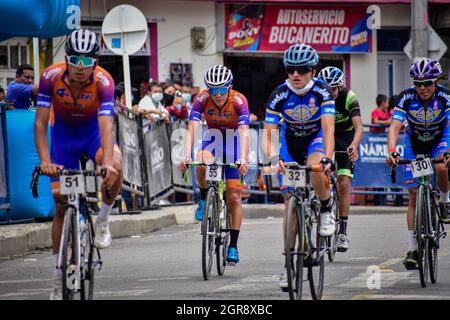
177	135
159	167
370	168
129	145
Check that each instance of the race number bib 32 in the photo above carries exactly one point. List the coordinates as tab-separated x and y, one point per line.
294	178
72	184
213	173
421	168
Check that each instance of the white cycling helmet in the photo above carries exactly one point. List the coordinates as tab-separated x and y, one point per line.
82	42
218	76
333	76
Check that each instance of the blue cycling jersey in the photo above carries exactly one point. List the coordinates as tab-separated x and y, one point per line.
428	121
301	113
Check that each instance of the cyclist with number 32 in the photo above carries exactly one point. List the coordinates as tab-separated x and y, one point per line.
78	98
226	114
426	107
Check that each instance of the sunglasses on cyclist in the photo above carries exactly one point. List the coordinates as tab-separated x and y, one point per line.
221	91
299	69
425	83
86	62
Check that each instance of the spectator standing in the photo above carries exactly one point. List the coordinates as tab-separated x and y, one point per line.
20	92
168	94
380	115
179	108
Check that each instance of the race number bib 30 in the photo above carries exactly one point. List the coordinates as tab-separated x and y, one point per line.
294	178
214	173
421	168
72	184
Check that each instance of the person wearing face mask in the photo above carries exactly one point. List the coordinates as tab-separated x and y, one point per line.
169	94
179	108
150	105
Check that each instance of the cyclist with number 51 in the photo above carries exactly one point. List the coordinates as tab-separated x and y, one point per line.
77	96
226	114
426	107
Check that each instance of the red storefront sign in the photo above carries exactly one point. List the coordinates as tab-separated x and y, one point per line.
326	28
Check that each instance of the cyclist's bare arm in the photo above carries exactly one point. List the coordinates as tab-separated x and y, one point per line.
266	142
40	134
359	132
327	122
394	130
245	141
105	124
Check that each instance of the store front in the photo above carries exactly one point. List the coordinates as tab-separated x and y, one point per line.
257	35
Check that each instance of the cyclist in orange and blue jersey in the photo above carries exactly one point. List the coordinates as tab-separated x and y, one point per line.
78	96
226	114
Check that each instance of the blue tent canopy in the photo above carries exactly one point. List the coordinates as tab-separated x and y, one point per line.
38	18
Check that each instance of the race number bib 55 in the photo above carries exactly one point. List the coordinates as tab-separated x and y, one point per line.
294	178
214	173
421	168
72	184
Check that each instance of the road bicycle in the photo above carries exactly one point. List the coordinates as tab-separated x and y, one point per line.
215	225
78	256
428	229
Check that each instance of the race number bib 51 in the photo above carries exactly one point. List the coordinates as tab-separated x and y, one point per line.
214	173
72	184
421	168
294	178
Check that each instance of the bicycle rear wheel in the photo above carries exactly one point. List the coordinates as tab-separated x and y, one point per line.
296	253
316	265
70	276
420	231
222	246
208	232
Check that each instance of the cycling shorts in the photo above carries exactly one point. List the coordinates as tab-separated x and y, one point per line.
226	152
298	150
433	149
342	142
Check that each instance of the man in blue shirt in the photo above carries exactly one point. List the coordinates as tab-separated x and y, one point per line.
20	92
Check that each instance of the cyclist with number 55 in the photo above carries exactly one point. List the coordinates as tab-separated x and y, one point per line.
307	108
78	98
227	116
426	107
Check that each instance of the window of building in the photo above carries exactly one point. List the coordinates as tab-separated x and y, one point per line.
3	57
392	40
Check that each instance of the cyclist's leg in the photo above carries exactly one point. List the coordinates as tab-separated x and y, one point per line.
95	152
442	178
66	151
411	257
345	175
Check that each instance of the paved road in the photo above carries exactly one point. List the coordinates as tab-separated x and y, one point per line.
166	265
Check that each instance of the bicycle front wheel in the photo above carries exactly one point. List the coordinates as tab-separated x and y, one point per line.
316	260
433	244
70	274
208	232
87	284
222	244
420	231
332	241
295	249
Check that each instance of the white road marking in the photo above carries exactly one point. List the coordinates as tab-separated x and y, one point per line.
122	293
164	279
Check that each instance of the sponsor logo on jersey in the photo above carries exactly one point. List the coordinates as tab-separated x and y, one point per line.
103	79
397	117
312	102
280	96
60	92
324	92
238	100
404	98
86	96
423	115
210	112
304	112
50	73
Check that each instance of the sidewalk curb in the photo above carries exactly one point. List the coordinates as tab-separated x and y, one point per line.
20	239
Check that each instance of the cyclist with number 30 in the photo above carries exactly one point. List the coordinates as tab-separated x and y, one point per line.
226	114
426	107
78	98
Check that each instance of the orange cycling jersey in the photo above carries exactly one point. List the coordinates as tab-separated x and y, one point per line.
95	98
233	114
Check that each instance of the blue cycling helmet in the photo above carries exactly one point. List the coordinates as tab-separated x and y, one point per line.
333	76
300	54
